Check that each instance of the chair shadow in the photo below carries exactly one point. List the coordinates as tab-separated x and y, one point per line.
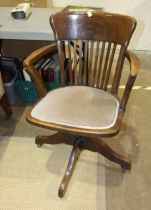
8	126
128	140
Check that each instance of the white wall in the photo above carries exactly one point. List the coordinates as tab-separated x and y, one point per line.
140	9
94	3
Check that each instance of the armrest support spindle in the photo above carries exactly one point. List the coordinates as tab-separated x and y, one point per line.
134	68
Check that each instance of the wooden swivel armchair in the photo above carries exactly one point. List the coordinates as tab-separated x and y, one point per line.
87	106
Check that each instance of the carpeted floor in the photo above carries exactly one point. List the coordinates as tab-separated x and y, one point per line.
30	177
123	191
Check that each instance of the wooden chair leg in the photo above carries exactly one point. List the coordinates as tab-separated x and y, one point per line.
97	145
70	167
5	106
57	138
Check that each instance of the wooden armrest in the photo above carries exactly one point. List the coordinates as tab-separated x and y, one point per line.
29	62
134	68
39	53
134	62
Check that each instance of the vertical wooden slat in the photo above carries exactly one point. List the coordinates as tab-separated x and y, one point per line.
90	62
105	65
60	45
117	75
100	64
95	64
80	62
70	63
85	62
75	63
109	67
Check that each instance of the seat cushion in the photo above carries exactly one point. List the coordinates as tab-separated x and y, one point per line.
78	106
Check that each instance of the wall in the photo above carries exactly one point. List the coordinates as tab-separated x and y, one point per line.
12	3
94	3
140	9
8	3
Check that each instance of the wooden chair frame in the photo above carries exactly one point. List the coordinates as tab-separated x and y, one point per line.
78	137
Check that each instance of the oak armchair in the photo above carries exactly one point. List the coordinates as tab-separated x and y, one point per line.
87	106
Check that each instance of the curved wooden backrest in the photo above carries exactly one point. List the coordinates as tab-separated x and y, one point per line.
103	26
88	44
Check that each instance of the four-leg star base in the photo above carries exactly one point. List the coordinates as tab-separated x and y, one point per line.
81	143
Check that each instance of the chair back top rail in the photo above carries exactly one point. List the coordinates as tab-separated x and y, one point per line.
102	26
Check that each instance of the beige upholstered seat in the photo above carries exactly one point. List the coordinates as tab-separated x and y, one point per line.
78	106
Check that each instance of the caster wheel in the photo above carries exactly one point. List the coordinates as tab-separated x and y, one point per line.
39	145
123	170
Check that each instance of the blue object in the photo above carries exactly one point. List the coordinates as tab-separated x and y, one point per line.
27	91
